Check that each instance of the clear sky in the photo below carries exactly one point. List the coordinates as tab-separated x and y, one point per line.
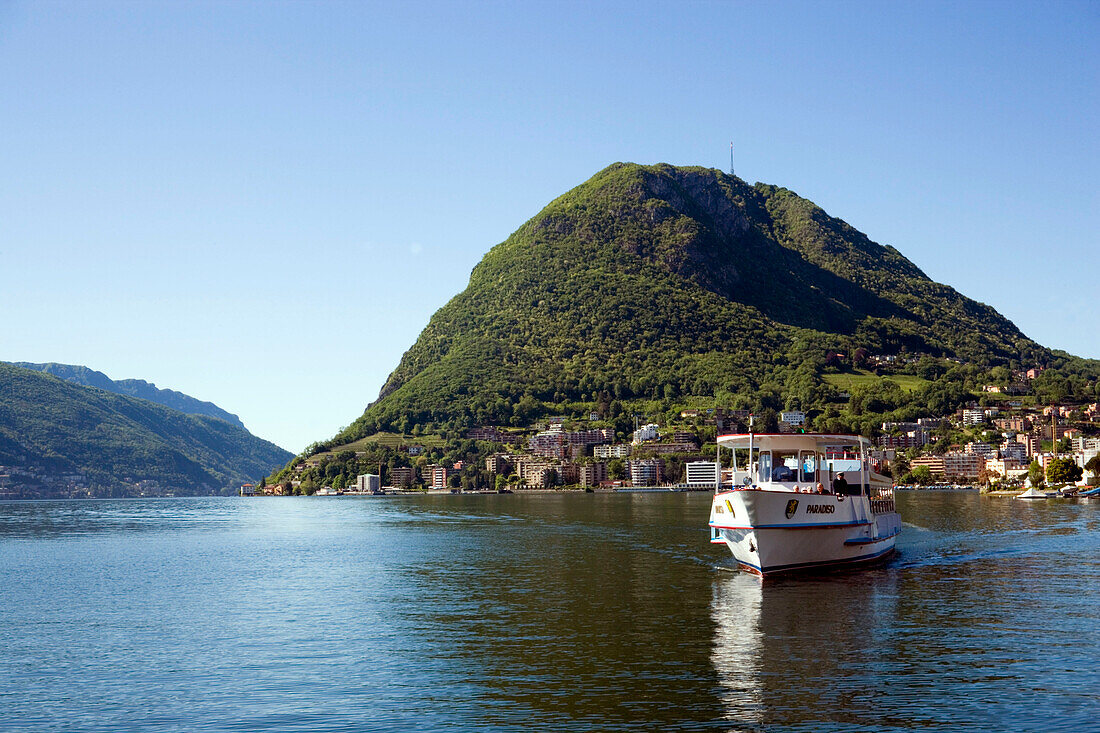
261	204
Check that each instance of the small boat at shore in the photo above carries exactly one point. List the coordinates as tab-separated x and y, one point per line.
788	510
1033	493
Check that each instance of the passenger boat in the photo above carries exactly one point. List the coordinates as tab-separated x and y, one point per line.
788	508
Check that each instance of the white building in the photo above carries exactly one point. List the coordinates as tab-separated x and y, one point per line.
794	418
645	472
646	432
1006	467
612	451
980	449
702	473
368	482
973	417
1085	444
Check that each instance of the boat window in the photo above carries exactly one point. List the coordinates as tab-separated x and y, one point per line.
765	464
808	466
784	465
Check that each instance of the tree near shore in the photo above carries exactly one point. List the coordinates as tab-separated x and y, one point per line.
986	477
1035	474
922	475
1063	471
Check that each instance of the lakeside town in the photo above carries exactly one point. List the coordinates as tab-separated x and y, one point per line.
1001	446
1002	439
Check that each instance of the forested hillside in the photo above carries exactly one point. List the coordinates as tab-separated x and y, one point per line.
134	388
658	282
61	439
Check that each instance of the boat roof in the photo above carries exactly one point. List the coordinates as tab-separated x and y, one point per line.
790	441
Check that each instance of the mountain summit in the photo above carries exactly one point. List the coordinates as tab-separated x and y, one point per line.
650	281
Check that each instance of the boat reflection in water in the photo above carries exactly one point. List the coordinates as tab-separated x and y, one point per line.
790	653
738	641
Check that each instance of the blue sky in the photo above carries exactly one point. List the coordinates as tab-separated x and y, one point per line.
261	204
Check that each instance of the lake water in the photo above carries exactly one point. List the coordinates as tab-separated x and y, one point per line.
535	613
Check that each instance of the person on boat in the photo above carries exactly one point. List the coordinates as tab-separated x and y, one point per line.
782	473
840	484
820	488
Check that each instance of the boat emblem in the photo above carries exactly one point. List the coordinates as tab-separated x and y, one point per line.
792	507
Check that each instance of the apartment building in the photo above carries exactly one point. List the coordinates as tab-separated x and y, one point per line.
591	474
646	472
612	451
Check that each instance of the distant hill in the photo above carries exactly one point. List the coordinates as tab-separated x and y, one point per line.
58	438
134	388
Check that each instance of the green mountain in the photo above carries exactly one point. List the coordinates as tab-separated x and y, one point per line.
662	282
134	388
61	439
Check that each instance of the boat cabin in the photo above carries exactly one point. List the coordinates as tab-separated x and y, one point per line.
798	462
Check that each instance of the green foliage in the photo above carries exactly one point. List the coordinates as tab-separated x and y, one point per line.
944	396
847	381
922	475
308	486
116	441
661	284
1063	471
881	396
1035	474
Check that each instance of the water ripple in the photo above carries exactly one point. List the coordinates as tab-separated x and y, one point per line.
513	613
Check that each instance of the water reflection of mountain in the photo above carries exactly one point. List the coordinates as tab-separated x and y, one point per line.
801	651
589	613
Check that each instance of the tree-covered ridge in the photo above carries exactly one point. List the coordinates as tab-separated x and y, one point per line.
87	377
660	281
51	427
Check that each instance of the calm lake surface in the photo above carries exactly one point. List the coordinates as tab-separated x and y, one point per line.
540	612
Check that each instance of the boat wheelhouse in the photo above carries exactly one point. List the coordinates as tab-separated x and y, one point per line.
800	501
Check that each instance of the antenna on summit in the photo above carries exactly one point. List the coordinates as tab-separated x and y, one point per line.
731	158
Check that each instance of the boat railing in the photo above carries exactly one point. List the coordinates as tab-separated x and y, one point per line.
882	500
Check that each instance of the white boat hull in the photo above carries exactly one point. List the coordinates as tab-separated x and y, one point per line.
778	531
